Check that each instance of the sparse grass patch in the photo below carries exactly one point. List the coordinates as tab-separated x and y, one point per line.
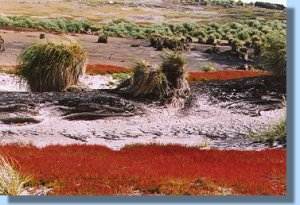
276	133
12	182
121	76
52	66
208	68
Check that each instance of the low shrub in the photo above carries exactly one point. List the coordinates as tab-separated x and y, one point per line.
57	24
273	54
102	38
173	43
52	66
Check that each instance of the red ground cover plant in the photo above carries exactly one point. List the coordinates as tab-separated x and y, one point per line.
100	69
152	169
224	75
192	75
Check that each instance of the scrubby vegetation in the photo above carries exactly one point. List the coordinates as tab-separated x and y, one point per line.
242	36
276	133
164	42
52	66
11	181
273	54
56	25
212	32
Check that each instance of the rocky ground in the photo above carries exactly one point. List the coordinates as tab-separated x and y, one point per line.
220	115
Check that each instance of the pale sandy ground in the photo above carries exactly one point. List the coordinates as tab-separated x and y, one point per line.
205	125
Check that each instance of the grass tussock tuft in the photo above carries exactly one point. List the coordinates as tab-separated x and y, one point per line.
11	181
52	66
173	67
166	83
147	81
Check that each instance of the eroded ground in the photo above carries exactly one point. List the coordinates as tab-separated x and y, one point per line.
211	121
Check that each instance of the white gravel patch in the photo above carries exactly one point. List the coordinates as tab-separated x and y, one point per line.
13	83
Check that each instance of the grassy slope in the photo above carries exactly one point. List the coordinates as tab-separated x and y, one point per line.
99	12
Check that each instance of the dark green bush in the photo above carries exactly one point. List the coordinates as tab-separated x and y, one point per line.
273	54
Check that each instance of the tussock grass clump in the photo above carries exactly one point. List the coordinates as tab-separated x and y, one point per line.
173	68
147	81
52	66
102	38
166	83
173	43
11	181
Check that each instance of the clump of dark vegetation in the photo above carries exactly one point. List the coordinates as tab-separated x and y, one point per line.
269	5
223	3
42	36
55	25
173	43
277	133
2	47
273	54
166	83
52	66
102	38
